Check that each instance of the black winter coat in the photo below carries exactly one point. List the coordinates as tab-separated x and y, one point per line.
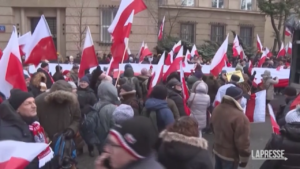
181	152
178	99
86	98
289	141
280	116
58	76
12	127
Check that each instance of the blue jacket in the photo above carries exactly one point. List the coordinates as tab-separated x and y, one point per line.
164	115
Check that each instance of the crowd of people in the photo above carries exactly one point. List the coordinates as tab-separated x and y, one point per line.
132	126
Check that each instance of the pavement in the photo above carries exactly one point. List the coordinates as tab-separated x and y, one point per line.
259	136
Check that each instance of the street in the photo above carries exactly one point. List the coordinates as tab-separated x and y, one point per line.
259	136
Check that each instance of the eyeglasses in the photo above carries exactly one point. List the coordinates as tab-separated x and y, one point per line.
112	144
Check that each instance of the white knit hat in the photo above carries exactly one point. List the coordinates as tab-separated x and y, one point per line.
293	115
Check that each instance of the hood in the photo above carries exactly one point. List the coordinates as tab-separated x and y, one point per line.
155	104
201	88
231	101
61	92
291	131
38	78
7	113
127	66
181	148
107	92
128	72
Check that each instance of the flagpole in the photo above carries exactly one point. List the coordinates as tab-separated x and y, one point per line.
118	77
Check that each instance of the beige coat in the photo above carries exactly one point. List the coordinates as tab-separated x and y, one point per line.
268	84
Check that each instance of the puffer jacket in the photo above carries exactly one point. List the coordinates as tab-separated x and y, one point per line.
289	141
96	125
198	103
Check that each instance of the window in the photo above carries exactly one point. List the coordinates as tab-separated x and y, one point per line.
246	4
107	16
246	34
187	3
218	3
52	26
187	32
217	33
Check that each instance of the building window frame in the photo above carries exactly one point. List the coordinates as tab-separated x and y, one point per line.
217	3
187	2
244	5
190	34
217	32
105	37
247	35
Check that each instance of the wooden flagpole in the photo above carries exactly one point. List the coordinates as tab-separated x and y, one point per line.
118	77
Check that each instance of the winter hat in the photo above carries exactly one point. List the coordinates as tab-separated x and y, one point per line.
127	66
17	97
65	72
85	79
234	92
127	89
223	71
144	72
173	82
44	64
159	92
73	85
240	68
198	74
235	78
122	113
293	115
290	91
136	136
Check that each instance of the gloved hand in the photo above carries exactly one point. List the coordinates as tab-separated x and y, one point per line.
69	134
243	164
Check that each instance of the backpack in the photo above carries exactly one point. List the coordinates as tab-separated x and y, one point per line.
144	86
130	81
152	115
64	151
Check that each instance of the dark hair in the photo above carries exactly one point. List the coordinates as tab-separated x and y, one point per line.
159	92
185	125
290	91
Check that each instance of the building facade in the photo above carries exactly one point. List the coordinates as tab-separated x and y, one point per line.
191	20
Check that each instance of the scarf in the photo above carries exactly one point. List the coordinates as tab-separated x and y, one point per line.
40	137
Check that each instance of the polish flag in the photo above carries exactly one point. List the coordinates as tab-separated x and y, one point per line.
279	68
194	51
236	47
256	107
259	44
88	57
269	53
161	29
242	53
1	53
262	58
157	73
287	32
289	48
112	65
19	154
177	47
281	52
140	52
274	124
250	67
41	45
175	65
125	10
146	52
218	61
187	57
11	76
185	90
169	59
23	40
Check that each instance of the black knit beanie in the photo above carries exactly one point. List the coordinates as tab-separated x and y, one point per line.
234	92
136	136
17	97
159	92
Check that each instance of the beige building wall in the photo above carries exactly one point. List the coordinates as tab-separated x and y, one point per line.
67	13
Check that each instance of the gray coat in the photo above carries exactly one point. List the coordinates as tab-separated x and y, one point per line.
268	83
198	103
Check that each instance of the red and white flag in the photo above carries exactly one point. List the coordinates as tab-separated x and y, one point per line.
287	32
19	154
289	48
268	52
177	47
157	73
220	58
146	52
262	59
1	53
194	51
259	44
161	29
175	65
41	45
256	107
140	52
279	68
169	59
282	51
88	57
11	76
185	90
236	47
187	57
23	40
274	124
250	67
242	53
